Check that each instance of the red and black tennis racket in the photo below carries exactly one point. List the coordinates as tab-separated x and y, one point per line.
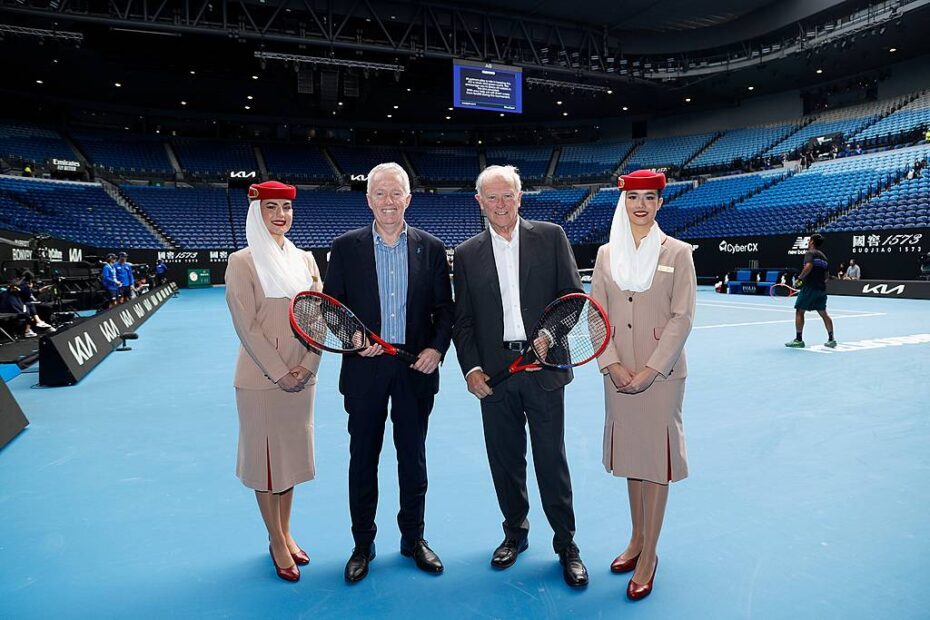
326	323
572	331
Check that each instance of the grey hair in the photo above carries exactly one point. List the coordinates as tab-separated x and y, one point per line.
510	173
393	168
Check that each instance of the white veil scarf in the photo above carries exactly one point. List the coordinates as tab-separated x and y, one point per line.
281	271
632	268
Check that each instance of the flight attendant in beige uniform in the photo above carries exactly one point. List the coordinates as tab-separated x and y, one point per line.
646	282
275	373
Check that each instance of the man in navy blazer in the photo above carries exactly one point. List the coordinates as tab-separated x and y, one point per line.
396	279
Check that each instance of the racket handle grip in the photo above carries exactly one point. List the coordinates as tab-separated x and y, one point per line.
406	357
499	377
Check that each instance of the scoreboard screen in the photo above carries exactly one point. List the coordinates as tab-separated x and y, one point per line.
487	86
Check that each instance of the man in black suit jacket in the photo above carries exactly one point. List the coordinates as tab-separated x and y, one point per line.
504	278
396	279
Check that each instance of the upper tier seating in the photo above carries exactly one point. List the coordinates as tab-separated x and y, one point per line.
32	144
124	153
591	161
81	212
532	161
297	163
670	152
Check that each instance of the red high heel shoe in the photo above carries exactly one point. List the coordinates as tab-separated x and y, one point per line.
619	565
301	557
292	573
635	591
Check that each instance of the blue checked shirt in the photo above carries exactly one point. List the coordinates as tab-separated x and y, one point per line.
391	265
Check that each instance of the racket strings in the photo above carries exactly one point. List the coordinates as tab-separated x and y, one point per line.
570	333
327	323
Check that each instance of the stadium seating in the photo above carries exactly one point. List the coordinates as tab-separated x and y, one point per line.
743	144
913	116
124	153
670	152
32	144
531	160
906	205
579	162
715	194
361	159
551	205
805	199
209	159
297	163
459	165
193	218
81	212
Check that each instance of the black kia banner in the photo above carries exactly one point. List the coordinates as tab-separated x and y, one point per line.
12	419
67	356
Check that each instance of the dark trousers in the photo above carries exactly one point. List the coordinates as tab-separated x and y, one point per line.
505	419
367	417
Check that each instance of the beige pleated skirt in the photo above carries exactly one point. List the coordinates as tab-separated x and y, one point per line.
275	438
643	434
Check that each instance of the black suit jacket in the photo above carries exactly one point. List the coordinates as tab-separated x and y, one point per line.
351	278
547	270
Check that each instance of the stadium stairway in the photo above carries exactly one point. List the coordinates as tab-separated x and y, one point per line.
697	153
616	174
574	213
77	152
114	192
332	162
175	164
260	160
553	162
805	121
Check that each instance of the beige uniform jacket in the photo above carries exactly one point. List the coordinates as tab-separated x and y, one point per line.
269	347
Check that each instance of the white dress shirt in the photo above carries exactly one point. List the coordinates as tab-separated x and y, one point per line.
507	261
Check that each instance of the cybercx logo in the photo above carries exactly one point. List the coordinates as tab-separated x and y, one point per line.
799	247
735	248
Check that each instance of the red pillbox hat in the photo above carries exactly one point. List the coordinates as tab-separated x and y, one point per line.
272	190
642	179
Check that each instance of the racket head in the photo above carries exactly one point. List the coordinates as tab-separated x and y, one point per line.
324	322
573	330
782	290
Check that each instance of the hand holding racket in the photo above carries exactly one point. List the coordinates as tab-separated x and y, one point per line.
326	323
572	331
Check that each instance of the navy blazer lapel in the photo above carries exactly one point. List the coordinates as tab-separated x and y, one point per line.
365	245
416	254
527	238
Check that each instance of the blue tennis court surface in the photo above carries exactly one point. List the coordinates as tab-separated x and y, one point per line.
808	495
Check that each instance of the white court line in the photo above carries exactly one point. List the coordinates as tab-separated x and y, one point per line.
754	307
852	316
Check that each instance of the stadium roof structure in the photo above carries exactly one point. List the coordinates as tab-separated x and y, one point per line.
358	60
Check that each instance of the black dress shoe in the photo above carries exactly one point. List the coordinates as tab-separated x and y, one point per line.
506	554
573	570
426	559
357	566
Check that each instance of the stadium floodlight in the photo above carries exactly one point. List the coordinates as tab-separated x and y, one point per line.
337	62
